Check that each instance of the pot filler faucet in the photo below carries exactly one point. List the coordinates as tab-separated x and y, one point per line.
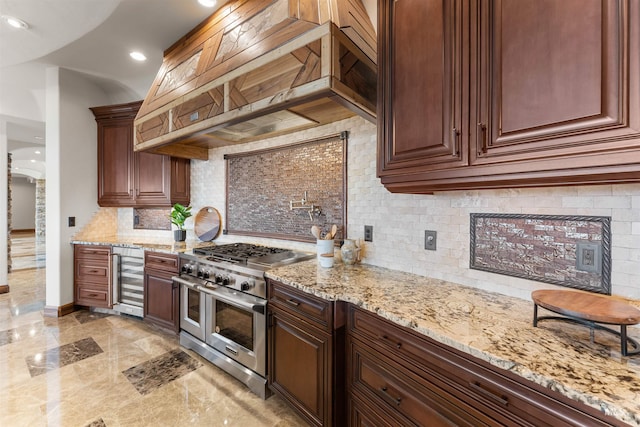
305	204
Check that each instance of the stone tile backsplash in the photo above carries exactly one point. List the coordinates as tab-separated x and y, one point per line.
399	220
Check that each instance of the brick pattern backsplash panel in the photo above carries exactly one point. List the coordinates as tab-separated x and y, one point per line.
151	219
262	185
542	248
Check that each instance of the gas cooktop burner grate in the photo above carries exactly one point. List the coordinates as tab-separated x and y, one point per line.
237	252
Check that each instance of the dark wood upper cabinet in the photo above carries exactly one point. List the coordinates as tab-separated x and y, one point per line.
135	179
508	93
421	85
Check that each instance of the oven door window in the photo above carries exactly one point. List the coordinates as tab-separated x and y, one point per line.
235	324
193	305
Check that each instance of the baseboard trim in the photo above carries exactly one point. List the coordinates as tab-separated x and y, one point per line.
63	310
4	289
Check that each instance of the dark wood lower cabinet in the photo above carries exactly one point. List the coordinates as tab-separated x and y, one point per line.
306	348
161	294
408	376
92	276
395	376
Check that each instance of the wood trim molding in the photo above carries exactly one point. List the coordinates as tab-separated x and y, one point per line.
4	289
63	310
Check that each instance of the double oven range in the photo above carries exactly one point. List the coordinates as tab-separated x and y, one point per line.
223	306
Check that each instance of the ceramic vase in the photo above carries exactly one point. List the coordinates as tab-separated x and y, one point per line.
349	252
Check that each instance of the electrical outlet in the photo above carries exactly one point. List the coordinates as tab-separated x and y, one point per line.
430	239
588	256
368	233
72	221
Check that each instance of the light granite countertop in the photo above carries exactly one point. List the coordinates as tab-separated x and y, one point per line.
158	246
490	326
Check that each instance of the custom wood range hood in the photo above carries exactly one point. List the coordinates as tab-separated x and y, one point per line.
260	68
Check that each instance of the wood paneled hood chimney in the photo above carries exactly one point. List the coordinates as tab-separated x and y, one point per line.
260	68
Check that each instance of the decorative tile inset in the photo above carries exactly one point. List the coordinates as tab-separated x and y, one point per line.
151	219
264	185
570	251
62	356
161	370
97	423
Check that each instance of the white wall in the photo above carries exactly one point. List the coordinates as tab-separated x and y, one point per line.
23	204
399	220
4	165
71	172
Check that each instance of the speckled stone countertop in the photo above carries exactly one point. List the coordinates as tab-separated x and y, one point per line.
170	247
490	326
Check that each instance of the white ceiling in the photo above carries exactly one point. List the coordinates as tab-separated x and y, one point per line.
90	36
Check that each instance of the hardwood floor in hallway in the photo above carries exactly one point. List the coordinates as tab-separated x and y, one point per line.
27	250
92	369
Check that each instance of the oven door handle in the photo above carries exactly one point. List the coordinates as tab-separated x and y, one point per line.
239	301
182	281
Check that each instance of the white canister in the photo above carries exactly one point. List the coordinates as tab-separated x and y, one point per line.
325	247
326	260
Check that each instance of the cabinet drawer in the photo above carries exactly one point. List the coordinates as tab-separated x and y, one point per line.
92	296
161	261
397	390
300	303
93	271
92	251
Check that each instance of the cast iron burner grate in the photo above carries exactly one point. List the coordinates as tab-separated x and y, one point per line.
237	252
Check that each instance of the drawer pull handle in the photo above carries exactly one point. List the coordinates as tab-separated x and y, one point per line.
395	344
397	400
93	295
293	302
476	386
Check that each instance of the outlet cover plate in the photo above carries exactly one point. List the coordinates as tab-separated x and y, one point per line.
368	233
430	240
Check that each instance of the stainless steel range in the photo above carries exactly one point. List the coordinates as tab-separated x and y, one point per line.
223	306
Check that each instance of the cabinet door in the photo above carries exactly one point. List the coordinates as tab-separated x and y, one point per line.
152	179
299	366
180	181
161	300
421	105
552	82
115	162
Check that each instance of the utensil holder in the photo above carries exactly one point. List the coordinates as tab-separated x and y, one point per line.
325	247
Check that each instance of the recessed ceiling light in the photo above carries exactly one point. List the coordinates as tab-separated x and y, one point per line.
207	3
15	22
37	151
37	137
33	161
138	56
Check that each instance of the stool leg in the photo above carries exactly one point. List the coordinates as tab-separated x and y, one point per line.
535	315
623	339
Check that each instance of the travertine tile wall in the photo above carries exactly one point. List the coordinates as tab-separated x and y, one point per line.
399	220
103	225
9	265
41	208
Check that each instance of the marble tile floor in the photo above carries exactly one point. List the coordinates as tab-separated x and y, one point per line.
92	369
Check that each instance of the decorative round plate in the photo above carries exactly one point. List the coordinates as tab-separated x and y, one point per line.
207	224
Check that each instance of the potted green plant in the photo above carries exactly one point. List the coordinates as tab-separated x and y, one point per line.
179	214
